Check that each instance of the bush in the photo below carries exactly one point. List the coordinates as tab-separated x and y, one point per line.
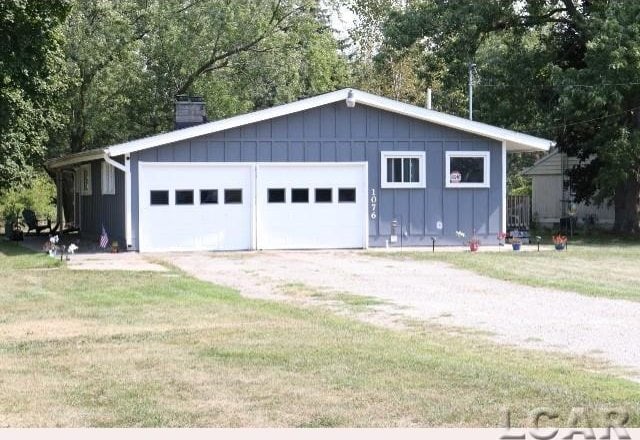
38	196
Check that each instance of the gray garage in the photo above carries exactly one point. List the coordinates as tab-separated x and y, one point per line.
344	169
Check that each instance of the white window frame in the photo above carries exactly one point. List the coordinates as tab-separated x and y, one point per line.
422	168
85	190
486	155
108	179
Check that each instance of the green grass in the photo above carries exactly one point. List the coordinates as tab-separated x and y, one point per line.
82	348
605	270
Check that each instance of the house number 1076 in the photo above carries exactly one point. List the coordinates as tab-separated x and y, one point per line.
374	203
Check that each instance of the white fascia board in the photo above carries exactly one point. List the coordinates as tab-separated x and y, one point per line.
227	124
515	141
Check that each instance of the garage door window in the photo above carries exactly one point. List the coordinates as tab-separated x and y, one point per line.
299	195
184	197
347	195
276	195
323	195
233	196
208	196
159	197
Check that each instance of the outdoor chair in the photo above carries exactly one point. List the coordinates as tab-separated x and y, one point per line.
32	222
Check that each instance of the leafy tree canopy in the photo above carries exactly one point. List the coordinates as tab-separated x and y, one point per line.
564	69
30	84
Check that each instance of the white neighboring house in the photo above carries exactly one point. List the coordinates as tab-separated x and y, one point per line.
551	201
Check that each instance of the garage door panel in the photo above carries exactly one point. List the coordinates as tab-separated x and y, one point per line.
313	224
198	226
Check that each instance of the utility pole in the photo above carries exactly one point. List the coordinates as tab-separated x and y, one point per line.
471	67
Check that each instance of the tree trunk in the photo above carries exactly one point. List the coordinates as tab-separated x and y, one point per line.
627	208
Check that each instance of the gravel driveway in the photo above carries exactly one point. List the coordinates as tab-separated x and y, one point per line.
513	314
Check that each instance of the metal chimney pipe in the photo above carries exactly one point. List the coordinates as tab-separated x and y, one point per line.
429	98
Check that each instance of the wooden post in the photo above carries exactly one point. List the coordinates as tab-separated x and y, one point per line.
59	204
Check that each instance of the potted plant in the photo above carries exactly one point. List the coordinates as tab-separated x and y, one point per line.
473	243
502	236
516	243
560	241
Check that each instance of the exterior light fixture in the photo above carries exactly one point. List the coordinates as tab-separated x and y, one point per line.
351	99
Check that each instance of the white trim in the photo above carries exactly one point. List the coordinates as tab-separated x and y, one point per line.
128	228
422	168
107	178
515	141
113	163
486	155
504	188
365	239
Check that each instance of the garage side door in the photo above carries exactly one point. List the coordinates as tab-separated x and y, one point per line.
195	206
311	206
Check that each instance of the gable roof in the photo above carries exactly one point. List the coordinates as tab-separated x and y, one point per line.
515	141
553	163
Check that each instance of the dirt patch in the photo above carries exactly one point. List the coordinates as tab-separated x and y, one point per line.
107	261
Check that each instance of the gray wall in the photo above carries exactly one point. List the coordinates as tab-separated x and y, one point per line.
98	209
336	133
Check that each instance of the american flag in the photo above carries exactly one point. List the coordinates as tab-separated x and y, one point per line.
104	238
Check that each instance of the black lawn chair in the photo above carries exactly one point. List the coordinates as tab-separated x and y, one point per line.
32	222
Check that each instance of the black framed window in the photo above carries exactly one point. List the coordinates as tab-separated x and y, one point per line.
232	196
184	197
276	195
346	195
324	195
468	169
159	197
208	196
299	195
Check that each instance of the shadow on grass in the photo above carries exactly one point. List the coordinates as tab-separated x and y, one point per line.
14	249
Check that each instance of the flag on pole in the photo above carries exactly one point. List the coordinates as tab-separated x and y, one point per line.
104	238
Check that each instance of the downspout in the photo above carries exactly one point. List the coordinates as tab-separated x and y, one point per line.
126	169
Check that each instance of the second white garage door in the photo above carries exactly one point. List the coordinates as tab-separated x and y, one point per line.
311	206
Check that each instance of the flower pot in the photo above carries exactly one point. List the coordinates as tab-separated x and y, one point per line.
560	246
516	246
474	246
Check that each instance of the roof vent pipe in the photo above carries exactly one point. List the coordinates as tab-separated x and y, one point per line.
351	99
429	98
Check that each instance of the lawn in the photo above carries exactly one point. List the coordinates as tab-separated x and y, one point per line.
82	348
606	270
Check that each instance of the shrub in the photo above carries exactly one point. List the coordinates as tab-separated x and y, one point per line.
38	196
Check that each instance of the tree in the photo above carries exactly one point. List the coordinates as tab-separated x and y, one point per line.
608	141
30	61
568	66
128	59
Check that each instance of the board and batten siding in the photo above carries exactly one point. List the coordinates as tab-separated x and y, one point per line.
335	133
98	209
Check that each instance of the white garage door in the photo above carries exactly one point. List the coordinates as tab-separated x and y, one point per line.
311	206
195	206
